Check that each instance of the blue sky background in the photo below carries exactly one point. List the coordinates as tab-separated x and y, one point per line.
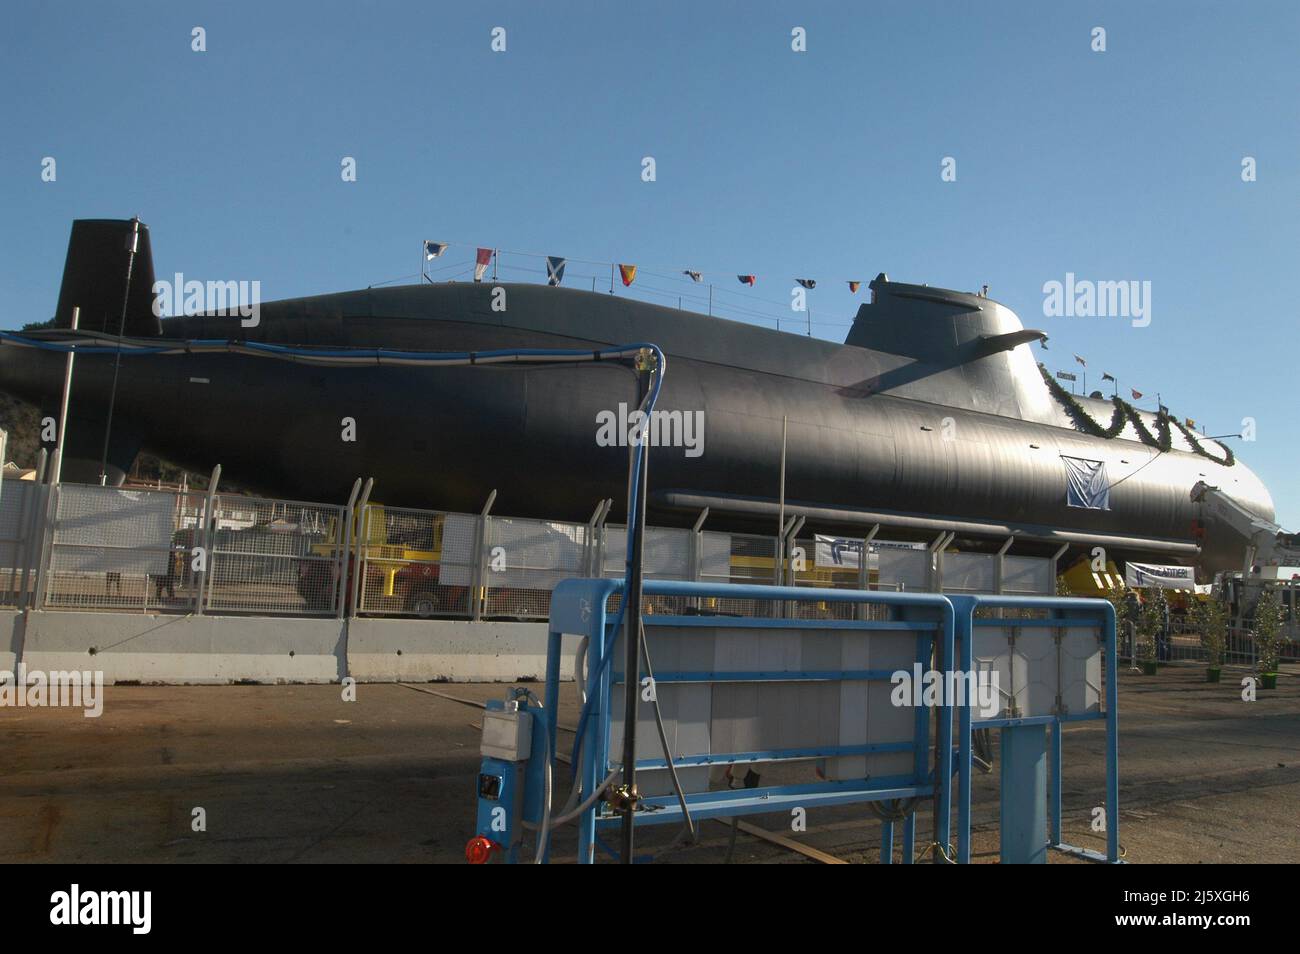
825	164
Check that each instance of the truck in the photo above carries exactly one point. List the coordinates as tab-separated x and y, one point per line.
1272	558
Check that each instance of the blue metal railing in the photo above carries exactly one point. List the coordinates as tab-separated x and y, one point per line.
945	628
578	607
1061	613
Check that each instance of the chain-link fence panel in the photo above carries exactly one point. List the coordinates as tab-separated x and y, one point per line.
20	502
525	559
666	556
274	557
750	560
1029	576
117	550
969	573
416	562
903	570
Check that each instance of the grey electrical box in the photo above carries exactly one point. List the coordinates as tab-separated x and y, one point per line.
507	735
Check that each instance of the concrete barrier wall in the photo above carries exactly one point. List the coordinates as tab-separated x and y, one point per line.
406	650
10	621
129	647
186	649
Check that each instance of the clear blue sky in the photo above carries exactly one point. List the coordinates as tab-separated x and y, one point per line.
1117	165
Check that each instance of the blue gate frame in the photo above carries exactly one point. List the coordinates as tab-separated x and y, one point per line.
579	607
1021	801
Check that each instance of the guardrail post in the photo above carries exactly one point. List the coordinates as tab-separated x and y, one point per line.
696	547
477	596
864	571
1000	567
599	570
31	553
696	554
45	549
791	544
934	566
1056	558
778	571
207	534
590	566
360	563
345	552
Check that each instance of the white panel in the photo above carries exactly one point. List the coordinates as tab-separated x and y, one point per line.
1037	647
969	572
887	722
1081	671
907	567
1033	575
1031	673
732	717
995	660
715	554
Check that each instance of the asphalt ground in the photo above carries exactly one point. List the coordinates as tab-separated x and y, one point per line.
298	774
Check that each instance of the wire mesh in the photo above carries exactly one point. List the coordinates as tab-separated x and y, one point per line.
19	502
525	559
274	557
416	562
116	549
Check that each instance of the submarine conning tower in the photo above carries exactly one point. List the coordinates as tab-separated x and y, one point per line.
966	346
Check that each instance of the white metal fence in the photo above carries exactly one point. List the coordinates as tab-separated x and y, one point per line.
22	505
86	547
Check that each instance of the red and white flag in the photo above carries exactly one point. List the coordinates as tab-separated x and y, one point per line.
483	261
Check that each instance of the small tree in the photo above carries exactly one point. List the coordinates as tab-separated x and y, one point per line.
1121	598
1210	617
1268	630
1151	622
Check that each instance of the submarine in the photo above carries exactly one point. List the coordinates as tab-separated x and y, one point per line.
933	415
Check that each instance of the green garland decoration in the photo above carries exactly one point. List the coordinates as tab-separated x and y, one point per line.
1125	412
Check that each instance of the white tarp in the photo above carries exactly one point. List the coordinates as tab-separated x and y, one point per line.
105	530
1086	483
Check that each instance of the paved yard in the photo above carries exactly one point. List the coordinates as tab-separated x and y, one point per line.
294	773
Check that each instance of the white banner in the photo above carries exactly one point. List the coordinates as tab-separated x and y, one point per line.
846	552
1164	577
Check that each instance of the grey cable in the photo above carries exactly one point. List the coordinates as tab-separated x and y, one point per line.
663	736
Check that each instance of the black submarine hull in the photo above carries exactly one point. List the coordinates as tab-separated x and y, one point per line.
958	433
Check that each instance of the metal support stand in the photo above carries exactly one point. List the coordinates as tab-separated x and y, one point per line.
480	557
1024	795
632	632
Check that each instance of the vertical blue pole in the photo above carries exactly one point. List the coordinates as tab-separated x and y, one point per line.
963	634
927	648
943	820
886	842
1054	786
552	696
595	743
1112	736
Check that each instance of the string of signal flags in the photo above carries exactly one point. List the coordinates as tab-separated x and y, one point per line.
486	258
1107	376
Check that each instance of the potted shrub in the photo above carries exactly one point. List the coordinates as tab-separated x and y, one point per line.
1120	597
1210	617
1268	638
1150	623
